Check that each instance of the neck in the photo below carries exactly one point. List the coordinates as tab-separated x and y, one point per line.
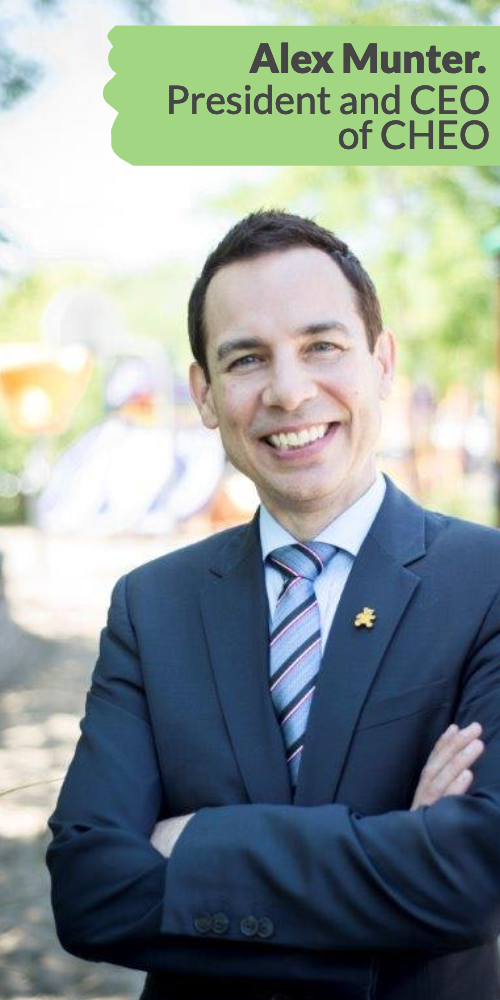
306	522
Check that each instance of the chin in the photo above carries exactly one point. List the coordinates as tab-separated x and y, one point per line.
306	496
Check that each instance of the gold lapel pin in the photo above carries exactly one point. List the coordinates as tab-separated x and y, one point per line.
365	617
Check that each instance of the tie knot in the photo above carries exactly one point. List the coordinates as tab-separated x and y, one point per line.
304	559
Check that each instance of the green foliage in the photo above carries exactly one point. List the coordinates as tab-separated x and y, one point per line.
155	304
24	301
88	412
19	76
13	448
146	11
377	13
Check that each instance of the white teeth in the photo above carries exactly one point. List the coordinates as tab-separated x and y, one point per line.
298	440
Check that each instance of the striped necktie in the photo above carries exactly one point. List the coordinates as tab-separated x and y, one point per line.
295	642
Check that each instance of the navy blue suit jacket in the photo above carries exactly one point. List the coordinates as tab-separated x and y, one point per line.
343	892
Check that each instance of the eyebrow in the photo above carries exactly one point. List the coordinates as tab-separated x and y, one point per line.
323	327
250	343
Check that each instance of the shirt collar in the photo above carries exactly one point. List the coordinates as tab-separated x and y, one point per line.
347	531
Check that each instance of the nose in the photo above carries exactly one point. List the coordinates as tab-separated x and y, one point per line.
289	385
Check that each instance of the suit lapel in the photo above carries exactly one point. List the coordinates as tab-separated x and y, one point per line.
353	655
235	614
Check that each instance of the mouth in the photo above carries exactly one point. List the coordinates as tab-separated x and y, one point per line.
298	442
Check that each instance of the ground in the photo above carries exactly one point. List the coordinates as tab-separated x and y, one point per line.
57	594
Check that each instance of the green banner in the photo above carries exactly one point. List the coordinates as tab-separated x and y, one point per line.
305	96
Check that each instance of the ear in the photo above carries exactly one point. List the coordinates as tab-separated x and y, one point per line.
201	393
385	356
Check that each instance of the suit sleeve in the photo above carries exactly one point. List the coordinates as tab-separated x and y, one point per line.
332	879
108	882
109	885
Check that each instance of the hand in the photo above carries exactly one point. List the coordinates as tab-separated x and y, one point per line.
447	771
166	833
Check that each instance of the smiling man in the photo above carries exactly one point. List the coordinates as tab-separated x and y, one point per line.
296	380
273	794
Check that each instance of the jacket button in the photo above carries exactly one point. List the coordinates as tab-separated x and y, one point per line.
265	927
249	926
220	923
203	923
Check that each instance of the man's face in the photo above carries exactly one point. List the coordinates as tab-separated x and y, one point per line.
293	389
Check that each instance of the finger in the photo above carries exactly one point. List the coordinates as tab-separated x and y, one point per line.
447	735
447	748
461	784
454	739
428	795
443	747
461	761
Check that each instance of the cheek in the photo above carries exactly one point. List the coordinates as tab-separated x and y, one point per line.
237	406
346	390
345	378
362	401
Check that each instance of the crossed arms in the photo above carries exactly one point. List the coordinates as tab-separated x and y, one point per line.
426	878
447	772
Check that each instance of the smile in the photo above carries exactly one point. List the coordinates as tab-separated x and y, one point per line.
298	440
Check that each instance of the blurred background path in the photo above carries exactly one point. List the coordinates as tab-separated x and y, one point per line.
57	593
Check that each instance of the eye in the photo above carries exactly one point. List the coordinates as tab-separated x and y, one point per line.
323	346
244	362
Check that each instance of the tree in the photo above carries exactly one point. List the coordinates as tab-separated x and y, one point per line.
385	12
19	76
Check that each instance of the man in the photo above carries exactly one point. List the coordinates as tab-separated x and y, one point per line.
272	795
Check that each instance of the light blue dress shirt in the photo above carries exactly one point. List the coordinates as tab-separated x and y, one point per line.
347	532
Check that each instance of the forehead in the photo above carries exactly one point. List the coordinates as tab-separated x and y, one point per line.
278	292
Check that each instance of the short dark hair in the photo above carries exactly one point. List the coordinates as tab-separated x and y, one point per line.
267	232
